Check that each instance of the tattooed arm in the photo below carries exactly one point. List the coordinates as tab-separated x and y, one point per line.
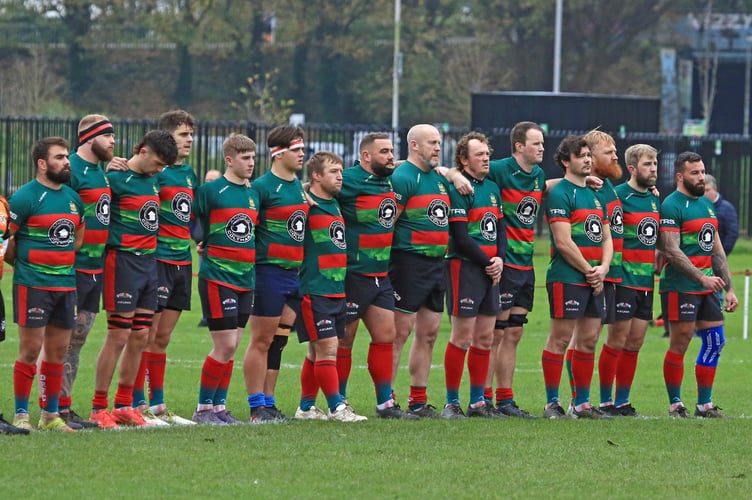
720	263
668	243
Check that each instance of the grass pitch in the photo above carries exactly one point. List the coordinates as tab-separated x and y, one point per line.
656	457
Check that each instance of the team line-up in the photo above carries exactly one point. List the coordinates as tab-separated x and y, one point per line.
389	244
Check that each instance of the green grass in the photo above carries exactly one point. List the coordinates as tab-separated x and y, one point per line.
625	458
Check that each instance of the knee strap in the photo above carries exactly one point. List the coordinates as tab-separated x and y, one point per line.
274	356
142	321
501	324
517	319
116	321
713	341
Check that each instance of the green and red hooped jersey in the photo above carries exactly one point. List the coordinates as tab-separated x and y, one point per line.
228	214
423	197
176	184
283	211
581	208
641	223
135	212
89	181
369	209
44	223
521	195
325	257
481	210
695	221
615	211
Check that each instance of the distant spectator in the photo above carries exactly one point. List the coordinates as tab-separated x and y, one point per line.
728	220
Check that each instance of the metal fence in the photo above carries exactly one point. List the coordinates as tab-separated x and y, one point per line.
728	157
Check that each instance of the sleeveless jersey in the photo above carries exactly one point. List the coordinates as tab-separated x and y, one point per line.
696	223
135	212
481	211
423	225
176	184
582	210
89	181
228	214
615	211
641	222
369	208
521	194
44	222
282	218
325	258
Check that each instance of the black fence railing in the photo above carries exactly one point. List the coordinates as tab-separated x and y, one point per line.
728	157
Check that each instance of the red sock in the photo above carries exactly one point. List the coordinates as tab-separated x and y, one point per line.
23	379
607	364
326	376
211	376
418	396
477	366
568	361
552	365
673	368
155	368
124	396
504	394
52	374
454	365
344	365
380	359
488	393
138	384
583	364
626	368
100	401
309	384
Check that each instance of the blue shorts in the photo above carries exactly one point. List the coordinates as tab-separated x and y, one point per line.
275	287
321	318
130	281
89	291
470	291
366	291
174	286
35	307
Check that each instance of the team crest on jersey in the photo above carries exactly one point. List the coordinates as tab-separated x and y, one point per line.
61	232
155	188
706	237
647	231
296	225
189	182
181	206
655	207
438	212
617	220
103	209
73	208
239	228
442	189
594	228
337	234
598	204
488	226
387	211
148	215
526	210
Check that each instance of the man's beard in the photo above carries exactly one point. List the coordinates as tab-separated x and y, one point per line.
694	189
61	177
645	182
101	153
612	171
382	169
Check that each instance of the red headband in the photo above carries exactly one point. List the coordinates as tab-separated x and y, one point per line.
99	128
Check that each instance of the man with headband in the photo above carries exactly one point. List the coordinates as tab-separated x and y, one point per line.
370	210
283	211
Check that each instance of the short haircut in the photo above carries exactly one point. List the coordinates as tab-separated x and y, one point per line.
595	137
572	144
282	136
710	181
372	137
236	144
161	143
519	132
318	161
41	150
89	120
634	152
683	158
171	120
462	150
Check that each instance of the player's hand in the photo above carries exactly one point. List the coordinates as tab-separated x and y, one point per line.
117	163
309	200
494	269
596	274
712	283
731	302
462	185
654	190
593	182
200	248
597	289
